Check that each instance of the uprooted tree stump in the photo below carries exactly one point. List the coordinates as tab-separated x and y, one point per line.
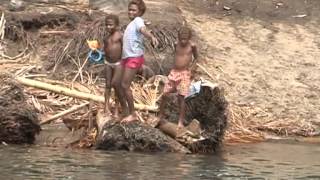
209	107
18	121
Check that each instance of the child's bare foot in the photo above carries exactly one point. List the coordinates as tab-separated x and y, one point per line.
130	118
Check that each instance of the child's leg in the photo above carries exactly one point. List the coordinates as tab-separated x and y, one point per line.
127	78
183	91
168	88
116	84
182	111
108	74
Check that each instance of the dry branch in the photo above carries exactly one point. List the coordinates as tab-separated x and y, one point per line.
55	32
2	26
73	93
63	113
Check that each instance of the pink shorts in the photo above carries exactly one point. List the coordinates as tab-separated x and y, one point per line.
132	62
179	81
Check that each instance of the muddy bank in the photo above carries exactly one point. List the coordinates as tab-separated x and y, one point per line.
265	55
261	52
63	56
284	11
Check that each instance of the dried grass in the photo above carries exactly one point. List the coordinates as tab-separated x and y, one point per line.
146	94
239	130
246	127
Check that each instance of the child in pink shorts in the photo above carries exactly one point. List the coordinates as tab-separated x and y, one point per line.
133	51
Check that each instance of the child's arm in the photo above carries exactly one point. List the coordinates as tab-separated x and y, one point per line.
195	53
148	34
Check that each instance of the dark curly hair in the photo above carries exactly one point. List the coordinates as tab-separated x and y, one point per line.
141	5
114	18
184	30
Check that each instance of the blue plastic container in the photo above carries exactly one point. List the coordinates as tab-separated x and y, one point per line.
96	56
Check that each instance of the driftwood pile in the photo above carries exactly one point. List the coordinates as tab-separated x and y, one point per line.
207	119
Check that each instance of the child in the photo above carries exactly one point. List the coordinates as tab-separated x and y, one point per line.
133	51
180	75
113	69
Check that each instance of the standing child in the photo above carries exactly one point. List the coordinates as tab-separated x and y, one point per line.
113	69
186	56
133	51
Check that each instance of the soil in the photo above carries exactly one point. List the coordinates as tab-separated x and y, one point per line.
263	52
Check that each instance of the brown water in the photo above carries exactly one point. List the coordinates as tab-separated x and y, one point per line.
255	161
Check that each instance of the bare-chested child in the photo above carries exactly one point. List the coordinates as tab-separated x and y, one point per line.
186	56
113	68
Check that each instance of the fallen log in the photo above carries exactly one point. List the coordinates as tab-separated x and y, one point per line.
73	93
172	130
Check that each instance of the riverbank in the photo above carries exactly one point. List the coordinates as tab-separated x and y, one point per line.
263	54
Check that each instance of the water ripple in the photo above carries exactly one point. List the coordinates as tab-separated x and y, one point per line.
263	161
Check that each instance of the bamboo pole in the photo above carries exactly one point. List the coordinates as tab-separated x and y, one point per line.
63	113
54	32
2	26
74	93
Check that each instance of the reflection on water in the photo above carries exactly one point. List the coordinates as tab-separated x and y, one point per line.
257	161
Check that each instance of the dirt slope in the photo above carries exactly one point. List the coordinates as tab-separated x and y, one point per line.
265	53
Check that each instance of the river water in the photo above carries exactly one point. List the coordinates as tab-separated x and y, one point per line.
270	160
